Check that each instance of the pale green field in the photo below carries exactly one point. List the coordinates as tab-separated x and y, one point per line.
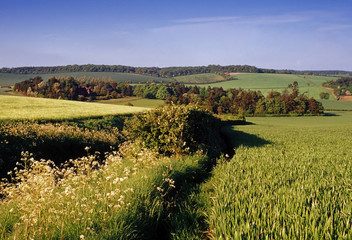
202	78
266	82
15	107
337	105
289	179
136	101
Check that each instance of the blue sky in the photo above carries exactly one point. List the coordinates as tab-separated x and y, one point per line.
279	34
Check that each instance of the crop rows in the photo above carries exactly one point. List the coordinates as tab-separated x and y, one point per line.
298	186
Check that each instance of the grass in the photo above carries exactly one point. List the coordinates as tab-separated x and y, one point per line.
5	91
337	105
8	79
290	178
15	108
266	82
127	198
136	102
203	78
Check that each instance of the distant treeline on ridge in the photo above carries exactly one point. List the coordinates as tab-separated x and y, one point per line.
167	72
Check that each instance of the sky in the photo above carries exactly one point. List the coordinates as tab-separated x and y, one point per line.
277	34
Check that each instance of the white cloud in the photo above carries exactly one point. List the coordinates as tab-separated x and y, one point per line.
334	27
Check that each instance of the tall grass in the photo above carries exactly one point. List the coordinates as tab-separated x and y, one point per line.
297	186
128	197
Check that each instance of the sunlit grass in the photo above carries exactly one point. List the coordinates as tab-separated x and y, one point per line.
14	108
135	102
298	186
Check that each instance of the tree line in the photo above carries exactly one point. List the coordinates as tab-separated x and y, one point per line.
247	102
216	99
70	88
342	86
167	72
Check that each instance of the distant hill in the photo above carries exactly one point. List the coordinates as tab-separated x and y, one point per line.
167	72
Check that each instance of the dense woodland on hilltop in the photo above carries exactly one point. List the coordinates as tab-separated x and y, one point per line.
342	86
167	72
217	100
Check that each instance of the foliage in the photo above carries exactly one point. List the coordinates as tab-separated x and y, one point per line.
125	198
155	71
247	102
56	141
150	71
342	86
74	89
324	95
176	130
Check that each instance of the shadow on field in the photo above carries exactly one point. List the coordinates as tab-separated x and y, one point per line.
236	138
330	114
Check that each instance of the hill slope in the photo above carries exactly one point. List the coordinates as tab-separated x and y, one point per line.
17	107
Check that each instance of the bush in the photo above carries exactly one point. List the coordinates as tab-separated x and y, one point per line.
176	130
57	142
324	95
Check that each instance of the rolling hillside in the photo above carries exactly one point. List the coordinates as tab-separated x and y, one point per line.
16	107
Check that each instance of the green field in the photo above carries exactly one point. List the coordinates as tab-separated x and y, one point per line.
337	105
16	107
266	82
8	79
289	179
203	78
136	102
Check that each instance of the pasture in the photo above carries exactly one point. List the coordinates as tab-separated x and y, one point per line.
135	101
17	107
203	78
265	82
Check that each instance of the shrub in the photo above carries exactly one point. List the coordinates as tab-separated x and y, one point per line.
57	142
176	130
324	95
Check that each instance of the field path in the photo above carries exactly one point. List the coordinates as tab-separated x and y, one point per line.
330	90
341	98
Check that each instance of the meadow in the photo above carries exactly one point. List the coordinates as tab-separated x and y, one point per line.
203	78
17	107
265	82
135	101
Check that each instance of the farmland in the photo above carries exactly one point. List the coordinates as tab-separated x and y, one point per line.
16	107
265	82
295	185
204	78
289	177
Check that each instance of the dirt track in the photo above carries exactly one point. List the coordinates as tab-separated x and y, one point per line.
341	98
